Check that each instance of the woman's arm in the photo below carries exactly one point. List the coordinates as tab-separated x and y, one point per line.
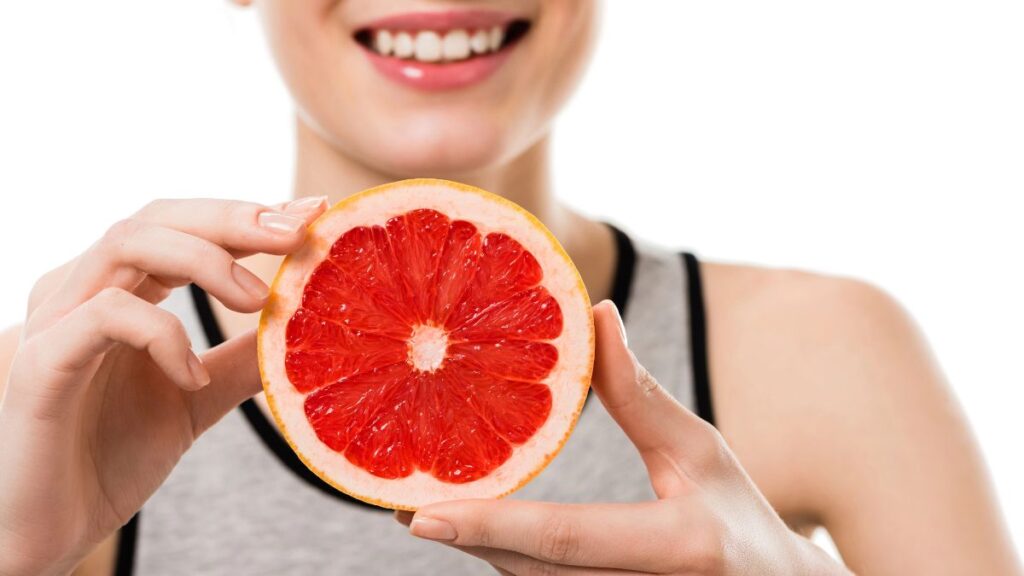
101	366
99	562
842	417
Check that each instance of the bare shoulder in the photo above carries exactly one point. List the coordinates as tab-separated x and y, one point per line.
828	393
795	353
797	359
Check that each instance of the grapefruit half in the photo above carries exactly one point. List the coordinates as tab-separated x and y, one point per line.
430	341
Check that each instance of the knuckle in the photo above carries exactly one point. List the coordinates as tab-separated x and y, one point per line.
108	298
104	305
120	233
207	252
710	451
236	211
646	381
559	540
482	535
43	288
167	325
154	207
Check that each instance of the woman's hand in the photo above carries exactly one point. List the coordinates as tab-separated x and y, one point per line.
105	394
709	517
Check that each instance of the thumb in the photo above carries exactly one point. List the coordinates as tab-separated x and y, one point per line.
675	443
234	377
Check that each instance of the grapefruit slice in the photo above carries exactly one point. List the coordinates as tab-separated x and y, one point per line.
430	341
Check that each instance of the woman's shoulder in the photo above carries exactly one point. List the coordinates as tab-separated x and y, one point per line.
810	369
804	300
806	324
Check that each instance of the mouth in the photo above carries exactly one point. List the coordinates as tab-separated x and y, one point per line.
443	50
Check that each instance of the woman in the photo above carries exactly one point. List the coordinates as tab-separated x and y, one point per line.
829	410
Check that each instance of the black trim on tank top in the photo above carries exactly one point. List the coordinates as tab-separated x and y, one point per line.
625	265
698	338
127	541
254	416
622	281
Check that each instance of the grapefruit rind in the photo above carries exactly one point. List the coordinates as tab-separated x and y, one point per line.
569	381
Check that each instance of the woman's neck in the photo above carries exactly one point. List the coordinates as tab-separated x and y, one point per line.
321	170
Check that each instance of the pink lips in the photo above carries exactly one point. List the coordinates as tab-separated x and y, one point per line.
430	76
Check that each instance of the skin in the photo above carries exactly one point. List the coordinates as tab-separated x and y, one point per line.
837	415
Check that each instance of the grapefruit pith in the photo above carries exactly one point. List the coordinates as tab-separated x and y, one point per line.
430	341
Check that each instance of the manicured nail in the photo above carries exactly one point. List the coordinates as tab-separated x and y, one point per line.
198	371
280	223
432	529
622	326
305	205
249	282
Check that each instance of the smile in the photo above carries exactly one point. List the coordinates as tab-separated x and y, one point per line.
438	51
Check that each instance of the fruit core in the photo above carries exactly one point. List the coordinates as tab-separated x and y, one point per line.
428	346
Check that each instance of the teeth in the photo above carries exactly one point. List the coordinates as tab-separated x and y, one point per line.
455	45
383	42
432	46
428	46
480	42
404	46
497	36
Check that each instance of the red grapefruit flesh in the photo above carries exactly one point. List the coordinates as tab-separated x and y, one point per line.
431	341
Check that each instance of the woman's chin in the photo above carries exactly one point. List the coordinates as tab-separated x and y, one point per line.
438	155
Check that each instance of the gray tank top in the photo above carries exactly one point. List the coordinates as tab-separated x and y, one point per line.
240	502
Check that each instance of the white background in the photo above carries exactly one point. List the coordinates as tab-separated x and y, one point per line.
878	139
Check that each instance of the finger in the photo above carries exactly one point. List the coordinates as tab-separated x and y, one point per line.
134	250
624	536
505	562
153	290
666	434
243	228
234	377
112	317
46	285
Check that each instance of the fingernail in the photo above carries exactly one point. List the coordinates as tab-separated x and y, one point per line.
278	222
622	326
432	529
249	282
305	205
198	371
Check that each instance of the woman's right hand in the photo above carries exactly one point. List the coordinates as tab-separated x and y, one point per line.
105	394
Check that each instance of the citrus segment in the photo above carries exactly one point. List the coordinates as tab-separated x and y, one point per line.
431	341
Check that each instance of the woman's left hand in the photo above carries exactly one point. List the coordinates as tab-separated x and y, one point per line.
709	517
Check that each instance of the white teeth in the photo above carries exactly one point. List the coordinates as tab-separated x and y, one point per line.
455	45
480	42
431	46
496	37
404	46
428	46
383	42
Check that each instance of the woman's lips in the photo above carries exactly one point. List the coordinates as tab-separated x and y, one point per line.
442	50
438	76
441	20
